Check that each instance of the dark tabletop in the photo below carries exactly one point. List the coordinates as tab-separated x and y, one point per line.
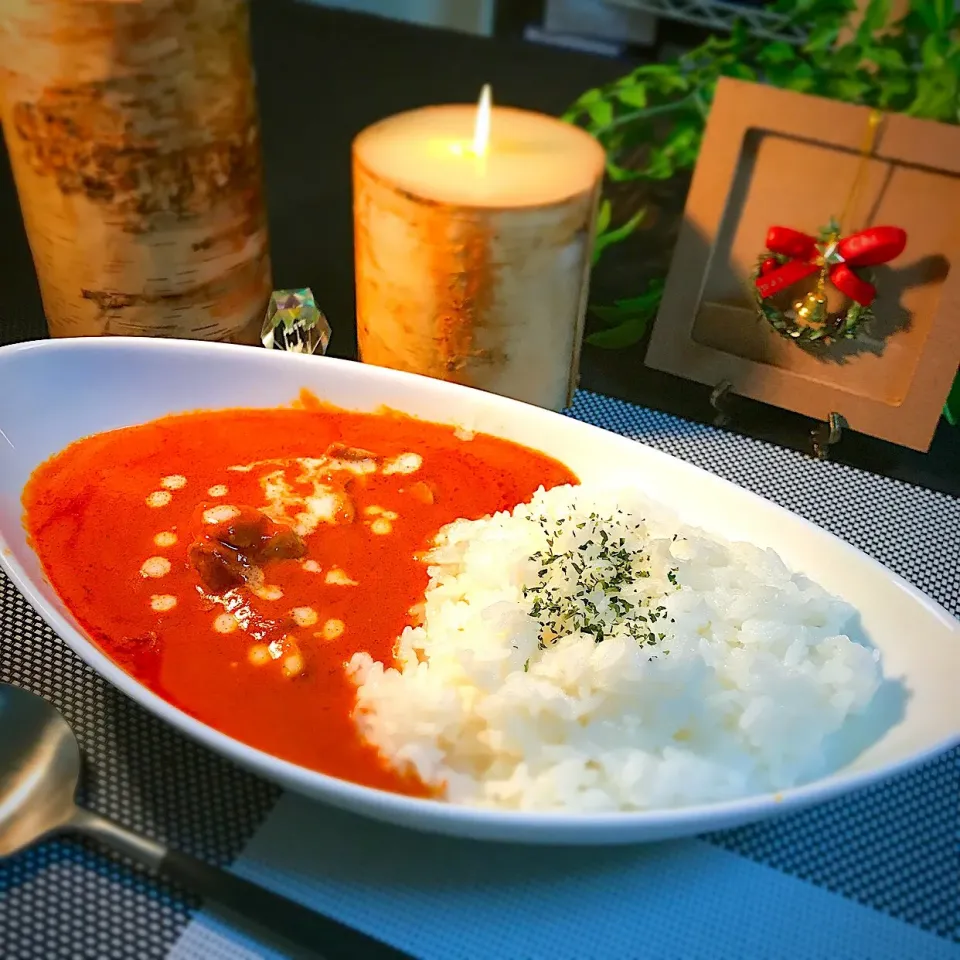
322	77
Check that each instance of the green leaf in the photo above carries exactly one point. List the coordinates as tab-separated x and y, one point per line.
777	52
582	104
936	97
646	303
610	316
801	78
931	52
610	237
624	334
627	320
601	113
895	91
740	71
874	18
671	82
620	174
821	37
656	70
677	151
604	212
946	14
886	58
935	14
794	76
850	89
635	96
659	166
739	35
951	409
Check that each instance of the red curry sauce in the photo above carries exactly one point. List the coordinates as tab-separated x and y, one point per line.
122	522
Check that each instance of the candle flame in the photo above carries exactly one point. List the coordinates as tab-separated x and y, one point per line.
481	130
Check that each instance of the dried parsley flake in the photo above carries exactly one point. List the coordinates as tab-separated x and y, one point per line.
601	565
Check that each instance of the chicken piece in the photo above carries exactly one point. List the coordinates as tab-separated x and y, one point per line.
250	529
230	553
283	545
219	567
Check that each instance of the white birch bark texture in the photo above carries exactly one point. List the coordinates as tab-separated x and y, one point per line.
486	297
133	136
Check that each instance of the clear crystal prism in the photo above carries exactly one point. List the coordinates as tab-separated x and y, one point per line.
295	323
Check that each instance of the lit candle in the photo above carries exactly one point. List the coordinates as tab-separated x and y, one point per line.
473	232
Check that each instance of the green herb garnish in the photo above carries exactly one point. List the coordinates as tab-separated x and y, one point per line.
601	566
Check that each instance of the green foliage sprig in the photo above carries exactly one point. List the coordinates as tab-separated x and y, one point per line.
651	121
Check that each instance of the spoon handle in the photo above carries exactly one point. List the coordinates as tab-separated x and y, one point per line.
320	935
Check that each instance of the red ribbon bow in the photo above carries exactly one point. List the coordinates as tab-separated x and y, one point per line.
864	249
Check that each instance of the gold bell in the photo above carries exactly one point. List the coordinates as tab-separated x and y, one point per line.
811	310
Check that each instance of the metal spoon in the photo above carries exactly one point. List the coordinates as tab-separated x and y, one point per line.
39	772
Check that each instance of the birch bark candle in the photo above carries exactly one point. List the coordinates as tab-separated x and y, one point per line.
473	231
132	132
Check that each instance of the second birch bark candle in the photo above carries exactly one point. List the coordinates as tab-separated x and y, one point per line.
133	137
473	234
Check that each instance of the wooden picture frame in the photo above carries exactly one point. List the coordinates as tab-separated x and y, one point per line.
774	157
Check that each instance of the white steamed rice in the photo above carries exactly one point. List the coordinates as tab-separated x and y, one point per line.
730	685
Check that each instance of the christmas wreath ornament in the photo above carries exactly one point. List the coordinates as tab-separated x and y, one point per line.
793	256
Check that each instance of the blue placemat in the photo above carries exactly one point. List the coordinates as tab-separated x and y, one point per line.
873	875
443	899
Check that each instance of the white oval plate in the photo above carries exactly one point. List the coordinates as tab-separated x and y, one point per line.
53	392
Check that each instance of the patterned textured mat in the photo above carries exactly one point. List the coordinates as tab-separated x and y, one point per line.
893	848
